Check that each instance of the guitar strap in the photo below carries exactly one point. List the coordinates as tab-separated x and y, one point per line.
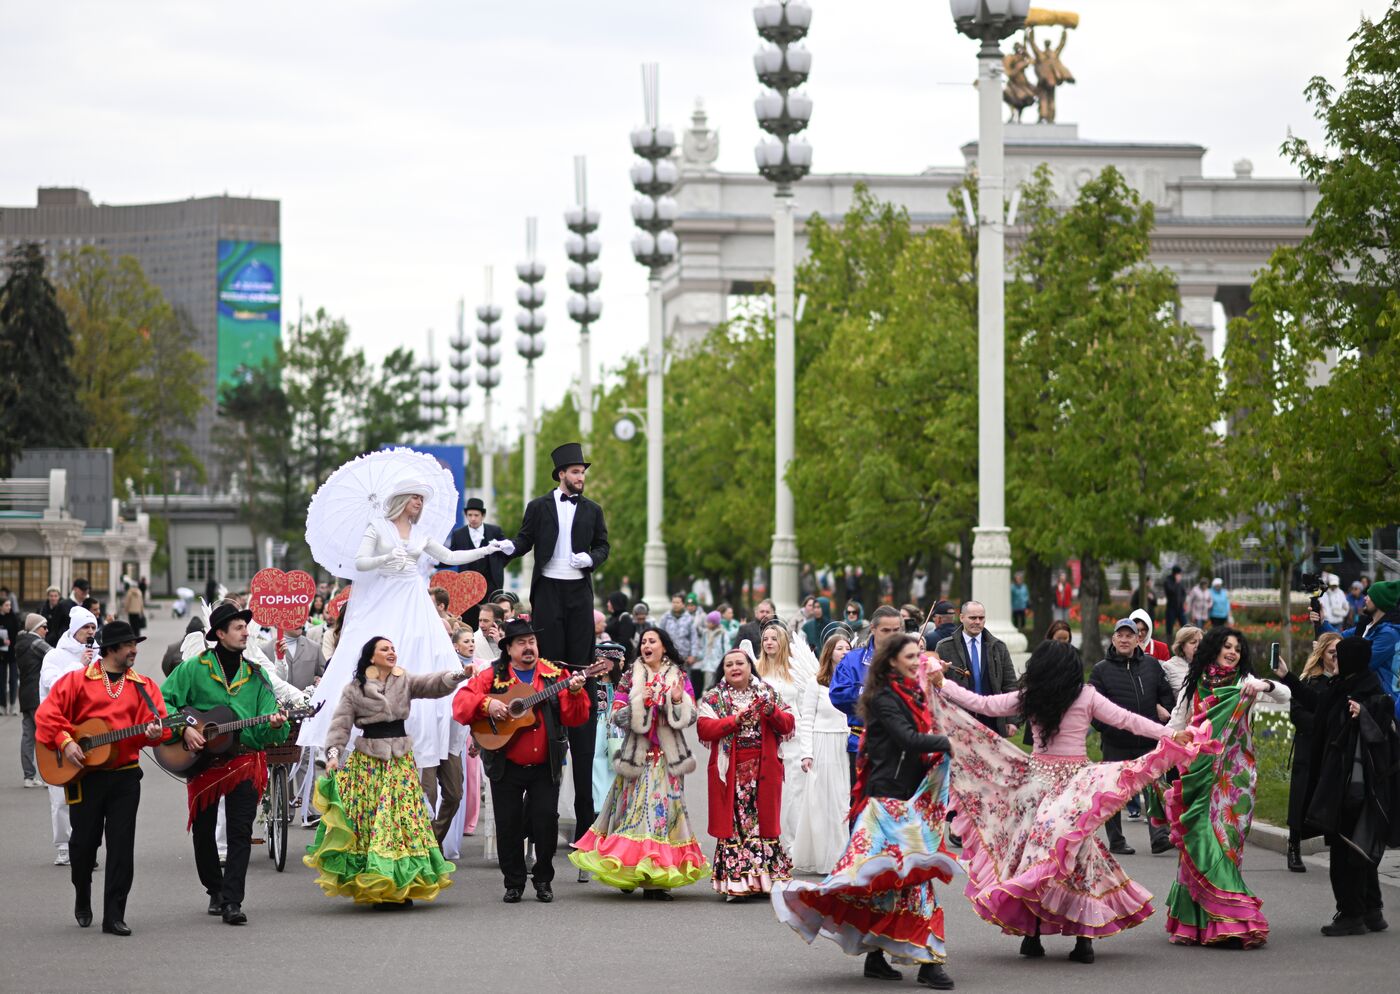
145	696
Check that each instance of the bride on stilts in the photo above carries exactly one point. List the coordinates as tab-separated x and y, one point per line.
378	521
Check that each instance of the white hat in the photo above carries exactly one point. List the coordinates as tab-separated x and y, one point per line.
418	487
78	617
1217	582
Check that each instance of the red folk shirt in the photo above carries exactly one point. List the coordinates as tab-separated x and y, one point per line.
530	746
82	694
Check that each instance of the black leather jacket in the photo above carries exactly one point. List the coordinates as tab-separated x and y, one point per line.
895	748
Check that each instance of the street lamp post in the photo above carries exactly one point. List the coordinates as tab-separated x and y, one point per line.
582	247
989	21
460	381
488	377
782	66
530	346
654	246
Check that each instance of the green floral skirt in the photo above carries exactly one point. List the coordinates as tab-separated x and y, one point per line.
375	842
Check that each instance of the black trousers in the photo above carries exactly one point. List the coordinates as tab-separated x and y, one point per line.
1113	828
240	808
1176	618
1356	883
563	615
108	807
526	800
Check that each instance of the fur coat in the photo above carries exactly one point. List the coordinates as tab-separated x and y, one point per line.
385	697
642	725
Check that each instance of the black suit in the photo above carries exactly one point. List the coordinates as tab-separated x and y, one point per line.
492	567
998	672
562	613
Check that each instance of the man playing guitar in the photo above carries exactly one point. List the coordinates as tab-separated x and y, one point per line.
104	801
220	676
524	774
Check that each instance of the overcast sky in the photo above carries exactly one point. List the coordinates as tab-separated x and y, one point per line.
408	140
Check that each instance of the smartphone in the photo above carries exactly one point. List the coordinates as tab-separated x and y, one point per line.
1273	657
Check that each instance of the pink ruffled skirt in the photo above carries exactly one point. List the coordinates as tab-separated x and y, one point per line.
1029	823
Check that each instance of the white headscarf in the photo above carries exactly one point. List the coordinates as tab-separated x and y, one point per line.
1146	619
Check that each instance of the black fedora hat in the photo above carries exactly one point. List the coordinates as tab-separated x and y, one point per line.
513	629
221	617
117	633
568	454
475	504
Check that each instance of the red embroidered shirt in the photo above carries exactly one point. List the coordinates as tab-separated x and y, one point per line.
530	747
81	694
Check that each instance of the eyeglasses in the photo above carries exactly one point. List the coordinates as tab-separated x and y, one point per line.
853	614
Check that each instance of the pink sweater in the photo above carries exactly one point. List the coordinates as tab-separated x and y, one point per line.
1074	726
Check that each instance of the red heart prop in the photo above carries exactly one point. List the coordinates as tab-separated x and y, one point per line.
281	600
333	609
465	590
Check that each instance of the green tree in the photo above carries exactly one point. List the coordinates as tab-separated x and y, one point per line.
325	384
1276	457
38	393
886	468
168	397
1350	265
113	310
390	412
1112	451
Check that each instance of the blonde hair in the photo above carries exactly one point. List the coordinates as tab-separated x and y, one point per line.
781	665
1313	667
1185	634
397	504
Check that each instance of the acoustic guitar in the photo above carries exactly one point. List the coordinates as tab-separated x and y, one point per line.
521	700
95	738
219	727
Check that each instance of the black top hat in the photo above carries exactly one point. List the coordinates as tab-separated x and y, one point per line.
475	504
513	629
117	633
568	454
221	617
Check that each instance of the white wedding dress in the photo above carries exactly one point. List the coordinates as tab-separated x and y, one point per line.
389	598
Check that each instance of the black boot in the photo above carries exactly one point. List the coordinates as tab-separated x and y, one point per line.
1032	947
933	975
1343	925
1295	858
878	968
1375	921
1083	951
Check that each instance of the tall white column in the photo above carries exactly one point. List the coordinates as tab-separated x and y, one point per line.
488	467
527	561
585	385
991	545
654	554
783	580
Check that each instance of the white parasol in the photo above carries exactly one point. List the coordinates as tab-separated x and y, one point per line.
357	492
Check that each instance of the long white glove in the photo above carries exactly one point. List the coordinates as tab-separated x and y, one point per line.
580	560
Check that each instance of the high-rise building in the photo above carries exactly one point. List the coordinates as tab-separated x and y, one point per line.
216	258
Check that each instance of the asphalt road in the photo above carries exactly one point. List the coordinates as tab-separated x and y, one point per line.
589	939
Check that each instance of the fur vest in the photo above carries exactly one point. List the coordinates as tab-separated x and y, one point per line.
639	722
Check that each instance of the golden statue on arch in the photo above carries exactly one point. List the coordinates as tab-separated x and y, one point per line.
1050	72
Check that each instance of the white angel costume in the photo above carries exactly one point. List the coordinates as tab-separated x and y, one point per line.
389	595
802	666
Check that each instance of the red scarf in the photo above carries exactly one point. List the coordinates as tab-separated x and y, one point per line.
913	697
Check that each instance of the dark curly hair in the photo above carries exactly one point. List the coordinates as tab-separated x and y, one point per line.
1208	652
367	658
668	647
1053	679
880	668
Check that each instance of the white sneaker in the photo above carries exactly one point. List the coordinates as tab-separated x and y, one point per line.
61	858
32	782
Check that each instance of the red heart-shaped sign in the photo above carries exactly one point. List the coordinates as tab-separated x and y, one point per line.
464	589
337	603
281	600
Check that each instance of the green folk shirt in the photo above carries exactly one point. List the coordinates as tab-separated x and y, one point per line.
198	682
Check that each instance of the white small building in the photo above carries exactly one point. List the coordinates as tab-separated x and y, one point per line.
43	543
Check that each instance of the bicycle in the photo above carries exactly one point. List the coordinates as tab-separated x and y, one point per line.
284	762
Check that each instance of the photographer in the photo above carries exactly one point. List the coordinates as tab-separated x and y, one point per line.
1379	625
